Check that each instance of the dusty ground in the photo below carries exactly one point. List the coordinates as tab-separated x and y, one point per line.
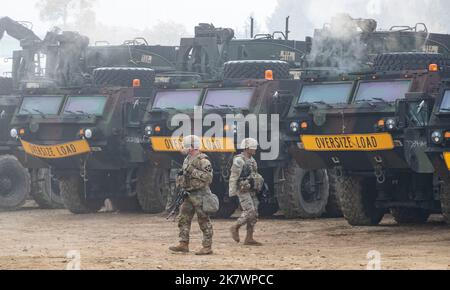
40	239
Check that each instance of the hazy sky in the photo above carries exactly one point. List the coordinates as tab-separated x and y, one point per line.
146	13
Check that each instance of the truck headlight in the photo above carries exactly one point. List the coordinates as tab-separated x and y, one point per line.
437	137
391	124
88	133
295	127
149	130
14	133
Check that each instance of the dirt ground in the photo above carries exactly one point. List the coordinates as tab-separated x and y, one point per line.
40	239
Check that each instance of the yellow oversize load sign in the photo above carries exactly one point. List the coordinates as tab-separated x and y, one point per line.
362	142
447	159
57	151
175	144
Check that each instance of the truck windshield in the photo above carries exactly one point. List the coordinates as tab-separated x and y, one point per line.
180	100
326	93
85	105
445	105
41	105
382	91
236	98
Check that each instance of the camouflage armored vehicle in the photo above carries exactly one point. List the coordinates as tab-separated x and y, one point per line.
212	47
353	44
371	129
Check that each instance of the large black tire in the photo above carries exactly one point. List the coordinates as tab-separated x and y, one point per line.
410	215
267	209
358	195
445	199
72	193
408	61
126	204
123	76
153	189
15	183
293	194
45	189
334	209
256	69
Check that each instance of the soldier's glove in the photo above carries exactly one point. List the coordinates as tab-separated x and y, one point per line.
245	185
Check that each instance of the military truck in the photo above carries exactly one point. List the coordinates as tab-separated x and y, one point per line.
437	137
17	182
371	129
297	193
220	99
90	135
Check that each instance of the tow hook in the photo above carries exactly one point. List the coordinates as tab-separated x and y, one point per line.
380	174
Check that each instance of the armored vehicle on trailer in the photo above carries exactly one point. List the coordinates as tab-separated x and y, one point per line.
371	129
353	44
212	47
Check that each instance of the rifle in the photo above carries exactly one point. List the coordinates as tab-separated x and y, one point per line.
175	207
245	175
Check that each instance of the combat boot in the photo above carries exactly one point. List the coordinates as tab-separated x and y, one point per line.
235	233
205	252
249	241
181	248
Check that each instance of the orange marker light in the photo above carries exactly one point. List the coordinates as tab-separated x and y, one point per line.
136	83
81	132
433	67
304	125
158	129
269	75
226	128
447	135
381	123
22	132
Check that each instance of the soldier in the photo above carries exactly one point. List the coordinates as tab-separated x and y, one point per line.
195	178
245	182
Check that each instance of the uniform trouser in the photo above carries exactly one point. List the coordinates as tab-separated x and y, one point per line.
249	203
194	205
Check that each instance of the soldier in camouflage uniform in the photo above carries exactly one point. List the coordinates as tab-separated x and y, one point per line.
246	188
195	178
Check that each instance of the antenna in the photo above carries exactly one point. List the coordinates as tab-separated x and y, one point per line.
252	27
287	28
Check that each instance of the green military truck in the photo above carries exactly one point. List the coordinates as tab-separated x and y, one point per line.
91	137
218	99
17	182
293	192
438	137
357	125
